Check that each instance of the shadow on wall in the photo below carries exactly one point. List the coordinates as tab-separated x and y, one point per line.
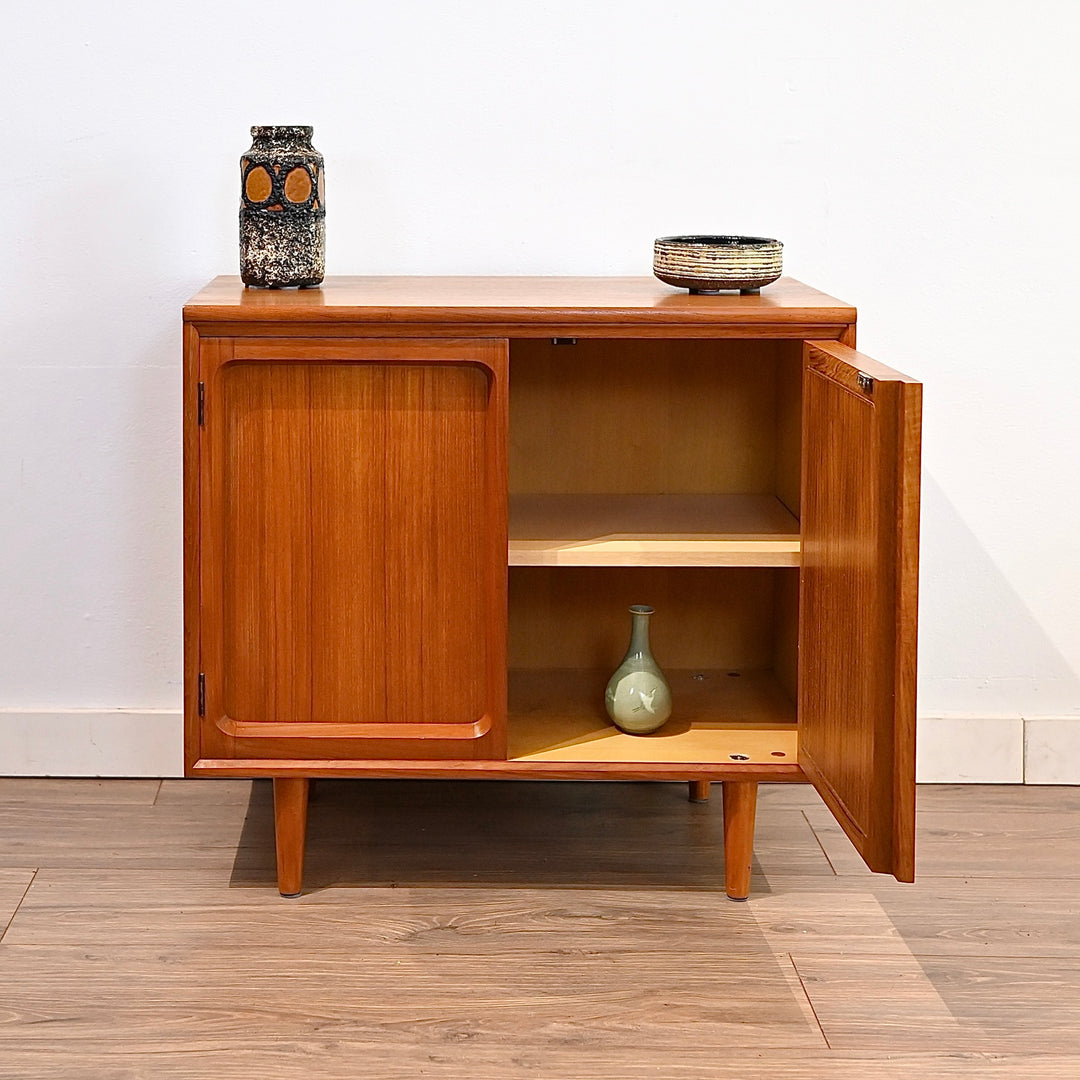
981	650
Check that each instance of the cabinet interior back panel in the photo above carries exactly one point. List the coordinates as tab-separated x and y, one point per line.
352	495
738	618
650	416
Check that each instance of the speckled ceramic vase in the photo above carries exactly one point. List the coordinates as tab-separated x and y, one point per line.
282	212
638	697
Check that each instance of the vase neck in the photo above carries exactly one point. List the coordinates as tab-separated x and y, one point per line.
282	138
639	630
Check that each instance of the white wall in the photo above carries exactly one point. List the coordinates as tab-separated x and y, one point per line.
919	160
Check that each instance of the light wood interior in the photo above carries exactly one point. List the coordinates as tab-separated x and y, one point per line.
786	631
654	417
725	638
557	714
706	617
667	473
652	530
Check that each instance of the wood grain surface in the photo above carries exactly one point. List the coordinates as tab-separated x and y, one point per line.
13	885
740	808
498	302
331	1058
290	832
342	1059
967	1002
41	791
519	930
635	417
706	617
358	625
558	715
193	485
1051	844
367	605
652	530
858	599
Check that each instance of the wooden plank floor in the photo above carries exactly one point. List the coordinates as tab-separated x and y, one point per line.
491	930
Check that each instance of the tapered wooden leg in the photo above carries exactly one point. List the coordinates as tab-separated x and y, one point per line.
699	790
290	829
740	804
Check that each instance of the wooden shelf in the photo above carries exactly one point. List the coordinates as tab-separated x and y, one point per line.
652	530
558	715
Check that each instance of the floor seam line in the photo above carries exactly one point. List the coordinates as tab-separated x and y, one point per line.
813	832
7	925
809	1001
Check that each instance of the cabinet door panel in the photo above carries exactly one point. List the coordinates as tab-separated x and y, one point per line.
858	598
434	511
348	542
354	549
267	562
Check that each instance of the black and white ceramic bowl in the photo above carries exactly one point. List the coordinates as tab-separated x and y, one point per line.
711	264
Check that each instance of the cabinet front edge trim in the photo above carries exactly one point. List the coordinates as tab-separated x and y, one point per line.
499	770
624	329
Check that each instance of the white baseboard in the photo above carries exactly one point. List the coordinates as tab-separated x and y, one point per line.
91	742
148	742
1052	750
998	750
970	750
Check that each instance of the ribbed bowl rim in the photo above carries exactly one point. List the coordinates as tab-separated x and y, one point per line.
719	241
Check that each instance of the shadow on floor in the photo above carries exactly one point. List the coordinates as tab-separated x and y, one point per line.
488	832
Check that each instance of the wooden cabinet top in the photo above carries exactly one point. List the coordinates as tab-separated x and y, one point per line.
506	304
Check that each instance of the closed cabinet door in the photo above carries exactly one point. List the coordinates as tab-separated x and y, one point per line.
352	549
858	598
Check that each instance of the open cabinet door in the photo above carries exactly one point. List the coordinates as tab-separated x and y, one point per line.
858	598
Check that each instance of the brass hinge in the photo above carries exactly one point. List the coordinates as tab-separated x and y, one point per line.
202	403
866	382
202	693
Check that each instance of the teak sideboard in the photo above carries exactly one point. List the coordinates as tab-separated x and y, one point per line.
417	510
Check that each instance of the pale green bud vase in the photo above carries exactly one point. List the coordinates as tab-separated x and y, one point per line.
638	697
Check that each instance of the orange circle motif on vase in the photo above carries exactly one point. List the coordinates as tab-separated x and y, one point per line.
258	186
298	185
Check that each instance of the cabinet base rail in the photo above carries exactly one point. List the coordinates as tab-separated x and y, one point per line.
489	769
